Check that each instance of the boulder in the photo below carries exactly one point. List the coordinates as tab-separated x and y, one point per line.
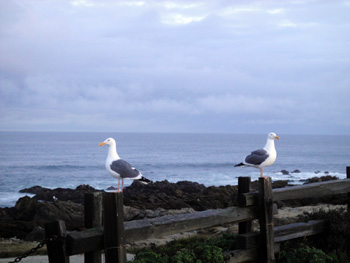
63	194
37	234
29	213
321	179
183	194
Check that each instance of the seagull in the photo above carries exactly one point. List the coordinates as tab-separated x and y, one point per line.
118	168
262	157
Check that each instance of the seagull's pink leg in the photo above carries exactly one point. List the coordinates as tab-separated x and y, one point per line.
118	186
261	174
122	184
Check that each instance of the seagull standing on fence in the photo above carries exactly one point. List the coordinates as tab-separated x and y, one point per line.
262	157
118	168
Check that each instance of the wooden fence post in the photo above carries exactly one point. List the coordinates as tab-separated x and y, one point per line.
348	176
56	248
244	184
93	218
267	250
114	237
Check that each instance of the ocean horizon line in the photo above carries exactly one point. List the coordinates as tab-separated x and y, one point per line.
178	132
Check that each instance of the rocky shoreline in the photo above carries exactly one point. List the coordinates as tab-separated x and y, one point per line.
26	219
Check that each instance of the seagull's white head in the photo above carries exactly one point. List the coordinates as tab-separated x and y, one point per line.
272	136
109	141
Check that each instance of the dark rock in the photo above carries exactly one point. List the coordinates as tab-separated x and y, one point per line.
280	184
29	213
62	194
284	172
296	171
178	195
32	190
321	179
190	187
37	234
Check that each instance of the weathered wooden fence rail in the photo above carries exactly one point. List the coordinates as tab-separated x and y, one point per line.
302	191
253	246
161	226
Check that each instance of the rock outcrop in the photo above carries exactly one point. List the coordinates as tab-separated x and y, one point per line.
63	194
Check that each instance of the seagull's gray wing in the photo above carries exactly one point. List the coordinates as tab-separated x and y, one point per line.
124	169
257	157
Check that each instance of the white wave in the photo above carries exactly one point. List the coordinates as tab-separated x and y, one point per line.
9	199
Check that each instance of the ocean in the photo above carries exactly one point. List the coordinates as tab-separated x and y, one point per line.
69	159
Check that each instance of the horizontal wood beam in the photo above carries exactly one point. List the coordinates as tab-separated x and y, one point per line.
89	240
172	224
302	191
296	230
283	233
92	239
249	242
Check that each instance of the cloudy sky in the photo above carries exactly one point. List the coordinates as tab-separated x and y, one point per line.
175	66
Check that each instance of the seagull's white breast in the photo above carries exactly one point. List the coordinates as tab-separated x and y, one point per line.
271	159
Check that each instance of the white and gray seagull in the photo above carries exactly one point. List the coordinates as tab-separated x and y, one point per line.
118	168
262	157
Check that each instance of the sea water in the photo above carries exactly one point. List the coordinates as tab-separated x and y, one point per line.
67	160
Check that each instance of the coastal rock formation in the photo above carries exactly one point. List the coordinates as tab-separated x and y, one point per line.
30	213
63	194
179	195
321	179
26	220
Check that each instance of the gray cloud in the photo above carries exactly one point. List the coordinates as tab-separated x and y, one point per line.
180	66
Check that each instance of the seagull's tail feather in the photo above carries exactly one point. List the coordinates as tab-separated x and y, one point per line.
239	164
144	180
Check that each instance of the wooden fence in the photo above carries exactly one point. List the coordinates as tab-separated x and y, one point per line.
114	233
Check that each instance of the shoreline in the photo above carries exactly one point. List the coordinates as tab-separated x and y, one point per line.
318	177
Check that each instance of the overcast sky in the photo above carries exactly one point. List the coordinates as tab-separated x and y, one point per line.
175	66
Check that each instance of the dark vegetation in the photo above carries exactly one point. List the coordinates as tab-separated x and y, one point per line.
333	245
192	250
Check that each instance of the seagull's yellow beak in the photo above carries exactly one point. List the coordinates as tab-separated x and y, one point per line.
102	143
275	138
